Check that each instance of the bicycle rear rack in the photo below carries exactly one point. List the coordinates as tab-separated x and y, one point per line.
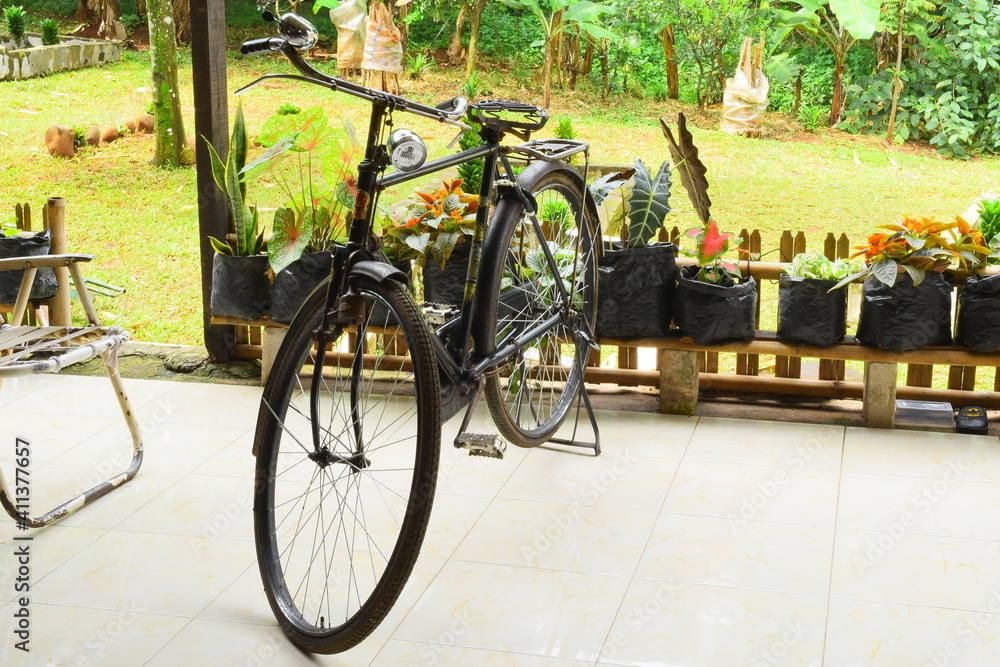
550	150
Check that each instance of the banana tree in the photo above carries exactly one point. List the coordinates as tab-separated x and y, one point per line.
555	17
837	24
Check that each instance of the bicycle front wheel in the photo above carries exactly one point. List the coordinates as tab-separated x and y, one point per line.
547	301
346	474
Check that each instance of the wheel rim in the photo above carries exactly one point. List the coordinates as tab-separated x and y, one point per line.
335	519
543	378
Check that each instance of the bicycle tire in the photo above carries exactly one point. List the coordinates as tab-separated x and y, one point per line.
530	398
358	523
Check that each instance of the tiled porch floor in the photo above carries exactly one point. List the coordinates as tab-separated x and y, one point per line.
690	541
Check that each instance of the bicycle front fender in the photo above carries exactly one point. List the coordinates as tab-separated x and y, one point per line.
378	272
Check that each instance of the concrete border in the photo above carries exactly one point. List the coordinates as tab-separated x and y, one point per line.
45	60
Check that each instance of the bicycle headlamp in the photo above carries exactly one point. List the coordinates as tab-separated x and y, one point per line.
406	150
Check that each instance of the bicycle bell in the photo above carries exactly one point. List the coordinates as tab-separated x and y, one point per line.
296	30
406	150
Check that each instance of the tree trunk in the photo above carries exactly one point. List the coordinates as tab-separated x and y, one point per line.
547	68
798	90
455	47
838	91
171	145
588	59
105	14
670	56
573	60
557	33
83	14
182	20
475	21
897	83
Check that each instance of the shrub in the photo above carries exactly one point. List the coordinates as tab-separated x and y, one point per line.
50	31
15	22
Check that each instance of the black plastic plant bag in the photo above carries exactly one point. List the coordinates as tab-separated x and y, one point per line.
711	314
240	287
446	286
635	295
906	316
45	285
808	312
296	281
978	320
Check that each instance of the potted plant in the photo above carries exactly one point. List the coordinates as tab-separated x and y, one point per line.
714	302
311	165
978	318
906	299
809	309
240	287
437	224
636	278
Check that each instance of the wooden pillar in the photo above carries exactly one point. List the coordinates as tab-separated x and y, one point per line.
880	394
211	122
678	381
55	222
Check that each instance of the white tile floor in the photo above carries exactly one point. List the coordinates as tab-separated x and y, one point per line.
690	541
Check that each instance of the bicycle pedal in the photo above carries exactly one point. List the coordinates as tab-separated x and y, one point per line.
437	313
479	444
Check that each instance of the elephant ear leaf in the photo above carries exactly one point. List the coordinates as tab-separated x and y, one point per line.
648	204
690	168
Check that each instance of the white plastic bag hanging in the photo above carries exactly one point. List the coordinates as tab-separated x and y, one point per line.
745	98
350	21
383	42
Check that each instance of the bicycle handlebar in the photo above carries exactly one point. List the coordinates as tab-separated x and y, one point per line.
252	46
449	112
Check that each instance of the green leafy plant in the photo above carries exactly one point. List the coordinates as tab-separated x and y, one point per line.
9	228
947	89
229	178
644	206
50	31
79	137
564	128
915	246
288	109
837	25
811	117
471	173
131	22
709	245
818	267
556	17
317	182
418	65
431	225
472	86
989	220
15	22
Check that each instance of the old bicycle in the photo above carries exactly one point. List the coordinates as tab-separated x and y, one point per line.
349	429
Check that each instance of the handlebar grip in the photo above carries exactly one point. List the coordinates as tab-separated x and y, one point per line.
252	46
455	107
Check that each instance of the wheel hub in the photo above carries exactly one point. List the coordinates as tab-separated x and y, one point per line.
324	457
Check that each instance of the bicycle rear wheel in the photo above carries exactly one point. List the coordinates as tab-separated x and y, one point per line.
530	398
339	525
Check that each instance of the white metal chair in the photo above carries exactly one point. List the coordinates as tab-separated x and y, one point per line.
29	350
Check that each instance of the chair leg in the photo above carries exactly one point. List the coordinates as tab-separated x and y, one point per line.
9	500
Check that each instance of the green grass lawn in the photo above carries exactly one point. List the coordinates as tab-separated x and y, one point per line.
142	221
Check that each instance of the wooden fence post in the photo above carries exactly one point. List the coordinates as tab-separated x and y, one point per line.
55	222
